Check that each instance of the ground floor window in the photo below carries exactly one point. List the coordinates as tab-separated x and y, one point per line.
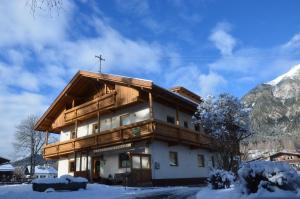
201	162
82	161
213	161
124	160
173	158
140	162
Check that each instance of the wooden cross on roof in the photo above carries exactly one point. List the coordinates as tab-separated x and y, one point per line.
100	60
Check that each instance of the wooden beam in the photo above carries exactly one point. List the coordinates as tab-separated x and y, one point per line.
76	127
46	138
151	106
98	119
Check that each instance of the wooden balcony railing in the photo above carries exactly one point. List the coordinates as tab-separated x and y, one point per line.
125	134
176	134
149	129
90	107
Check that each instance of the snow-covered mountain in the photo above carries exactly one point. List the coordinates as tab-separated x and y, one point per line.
276	111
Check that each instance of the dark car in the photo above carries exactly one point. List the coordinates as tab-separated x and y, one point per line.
65	182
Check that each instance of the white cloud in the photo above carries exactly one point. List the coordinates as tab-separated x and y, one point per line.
15	107
222	39
19	27
211	83
192	78
293	43
256	64
40	55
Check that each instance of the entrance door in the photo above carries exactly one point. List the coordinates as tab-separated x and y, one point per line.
96	168
140	169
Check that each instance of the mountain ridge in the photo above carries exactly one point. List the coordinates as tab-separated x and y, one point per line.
275	113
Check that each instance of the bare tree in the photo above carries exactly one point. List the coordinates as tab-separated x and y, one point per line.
29	141
45	5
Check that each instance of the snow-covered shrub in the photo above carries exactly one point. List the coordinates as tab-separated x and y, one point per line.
268	175
221	179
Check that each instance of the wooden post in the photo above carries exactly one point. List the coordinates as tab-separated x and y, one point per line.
46	138
150	106
76	128
75	160
87	165
98	115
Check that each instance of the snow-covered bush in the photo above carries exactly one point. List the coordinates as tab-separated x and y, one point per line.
221	179
268	175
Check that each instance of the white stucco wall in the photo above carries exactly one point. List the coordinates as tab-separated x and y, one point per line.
161	112
187	161
111	166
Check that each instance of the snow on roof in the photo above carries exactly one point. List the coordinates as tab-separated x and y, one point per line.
290	74
132	78
186	98
6	167
45	170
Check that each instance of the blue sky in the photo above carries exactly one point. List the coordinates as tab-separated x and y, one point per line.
208	46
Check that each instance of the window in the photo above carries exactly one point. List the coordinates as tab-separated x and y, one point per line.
140	162
105	124
136	162
145	162
73	134
185	124
114	122
83	162
197	127
170	119
173	159
201	160
95	128
124	160
71	166
124	119
213	161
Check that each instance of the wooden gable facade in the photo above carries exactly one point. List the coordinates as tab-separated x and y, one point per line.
91	95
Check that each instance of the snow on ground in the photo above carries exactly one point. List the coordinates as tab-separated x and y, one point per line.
96	191
232	193
93	191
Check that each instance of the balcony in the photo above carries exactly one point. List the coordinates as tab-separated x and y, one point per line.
90	107
149	129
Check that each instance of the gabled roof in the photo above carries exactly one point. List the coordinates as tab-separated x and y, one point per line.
88	78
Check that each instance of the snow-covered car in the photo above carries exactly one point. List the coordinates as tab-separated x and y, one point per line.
65	182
